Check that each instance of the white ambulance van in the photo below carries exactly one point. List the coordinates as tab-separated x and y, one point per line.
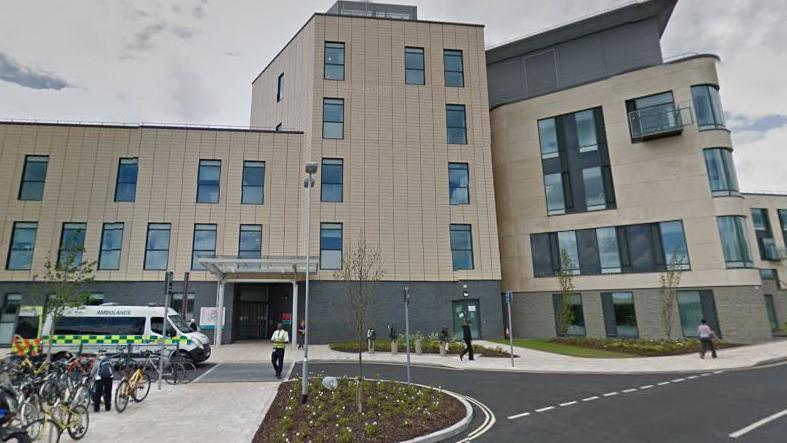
110	319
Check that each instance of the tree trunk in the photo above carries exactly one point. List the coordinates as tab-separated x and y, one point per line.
359	390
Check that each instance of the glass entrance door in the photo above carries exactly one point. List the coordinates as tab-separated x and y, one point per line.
252	320
467	310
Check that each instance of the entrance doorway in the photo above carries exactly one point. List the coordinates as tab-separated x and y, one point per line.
259	307
252	320
467	310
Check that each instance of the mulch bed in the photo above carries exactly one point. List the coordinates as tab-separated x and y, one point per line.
454	348
392	412
643	348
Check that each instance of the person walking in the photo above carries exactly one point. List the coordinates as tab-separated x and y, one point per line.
442	337
301	334
371	336
280	338
468	336
102	374
706	335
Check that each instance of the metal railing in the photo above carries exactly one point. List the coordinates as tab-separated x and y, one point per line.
659	121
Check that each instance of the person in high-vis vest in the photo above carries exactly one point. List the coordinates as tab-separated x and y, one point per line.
280	338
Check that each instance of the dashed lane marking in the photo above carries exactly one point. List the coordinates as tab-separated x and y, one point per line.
595	397
524	414
663	383
548	408
643	387
568	403
610	394
626	391
678	380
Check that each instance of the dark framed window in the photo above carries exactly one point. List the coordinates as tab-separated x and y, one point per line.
334	61
620	317
204	244
568	253
769	274
126	186
673	243
176	303
253	190
773	318
707	107
414	66
547	136
653	116
332	183
454	68
459	183
23	243
34	177
333	118
555	193
462	247
456	124
157	246
608	250
96	299
766	244
721	172
250	241
330	246
783	222
72	245
693	306
208	181
280	87
111	245
735	241
576	326
8	319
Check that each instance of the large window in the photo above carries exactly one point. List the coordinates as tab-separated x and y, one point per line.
653	116
157	246
126	186
707	107
253	183
721	172
783	222
250	241
764	235
330	246
462	247
23	242
280	87
693	307
734	241
33	177
72	245
454	70
673	243
204	245
334	61
456	124
608	251
568	252
575	163
332	183
111	244
414	66
773	318
575	326
459	183
208	181
8	320
333	118
619	315
176	303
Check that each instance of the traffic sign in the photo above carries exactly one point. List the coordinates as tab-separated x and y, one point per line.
509	296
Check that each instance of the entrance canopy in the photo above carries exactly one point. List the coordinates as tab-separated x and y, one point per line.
266	268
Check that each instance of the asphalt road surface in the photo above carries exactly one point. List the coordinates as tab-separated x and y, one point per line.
697	407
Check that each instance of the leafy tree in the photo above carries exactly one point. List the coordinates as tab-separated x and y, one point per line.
670	280
565	278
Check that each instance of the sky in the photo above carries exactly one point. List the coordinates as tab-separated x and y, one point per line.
192	61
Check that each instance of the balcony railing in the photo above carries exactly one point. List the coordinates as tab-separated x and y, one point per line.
659	121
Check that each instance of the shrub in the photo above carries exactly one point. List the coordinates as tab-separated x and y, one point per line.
646	348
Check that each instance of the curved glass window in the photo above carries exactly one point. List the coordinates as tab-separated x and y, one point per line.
707	107
735	241
721	172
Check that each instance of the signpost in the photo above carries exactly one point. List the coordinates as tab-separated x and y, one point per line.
407	328
169	277
509	296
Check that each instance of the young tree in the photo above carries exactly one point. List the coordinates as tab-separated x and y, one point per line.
64	284
361	271
670	280
565	278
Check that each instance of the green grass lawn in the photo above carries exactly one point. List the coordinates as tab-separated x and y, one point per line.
564	349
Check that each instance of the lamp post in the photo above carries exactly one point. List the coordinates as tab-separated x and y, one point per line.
310	168
407	327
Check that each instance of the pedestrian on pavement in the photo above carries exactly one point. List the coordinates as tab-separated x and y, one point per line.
280	338
301	334
371	336
393	334
442	337
468	336
102	374
706	335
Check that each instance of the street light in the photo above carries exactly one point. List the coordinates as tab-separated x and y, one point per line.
407	327
310	168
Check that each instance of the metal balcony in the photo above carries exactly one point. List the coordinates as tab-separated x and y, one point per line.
658	121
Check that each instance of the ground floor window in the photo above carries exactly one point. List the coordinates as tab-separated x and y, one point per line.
772	317
619	315
176	303
693	306
575	324
8	315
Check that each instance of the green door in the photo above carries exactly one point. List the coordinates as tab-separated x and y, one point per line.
467	310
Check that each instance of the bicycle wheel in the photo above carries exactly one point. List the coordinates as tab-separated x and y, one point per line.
175	373
80	396
143	387
49	392
78	421
18	437
189	370
29	414
121	396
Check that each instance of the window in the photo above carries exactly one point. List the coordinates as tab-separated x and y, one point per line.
595	197
653	116
456	124
176	303
586	131
126	186
414	66
332	184
553	185
773	319
769	274
96	299
72	245
334	61
707	107
734	241
764	236
458	183
253	183
33	177
330	246
576	324
157	246
462	247
619	315
547	136
454	71
673	243
250	241
333	118
8	320
721	172
783	222
111	244
693	306
23	242
204	245
568	254
280	87
608	252
208	181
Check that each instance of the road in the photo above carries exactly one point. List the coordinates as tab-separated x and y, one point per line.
703	407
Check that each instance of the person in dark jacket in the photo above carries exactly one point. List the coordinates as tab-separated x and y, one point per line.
102	374
468	336
301	334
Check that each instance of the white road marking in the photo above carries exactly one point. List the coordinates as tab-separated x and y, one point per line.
646	386
206	373
548	408
569	403
489	420
692	377
757	424
610	394
678	380
663	383
626	391
524	414
595	397
705	374
717	372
